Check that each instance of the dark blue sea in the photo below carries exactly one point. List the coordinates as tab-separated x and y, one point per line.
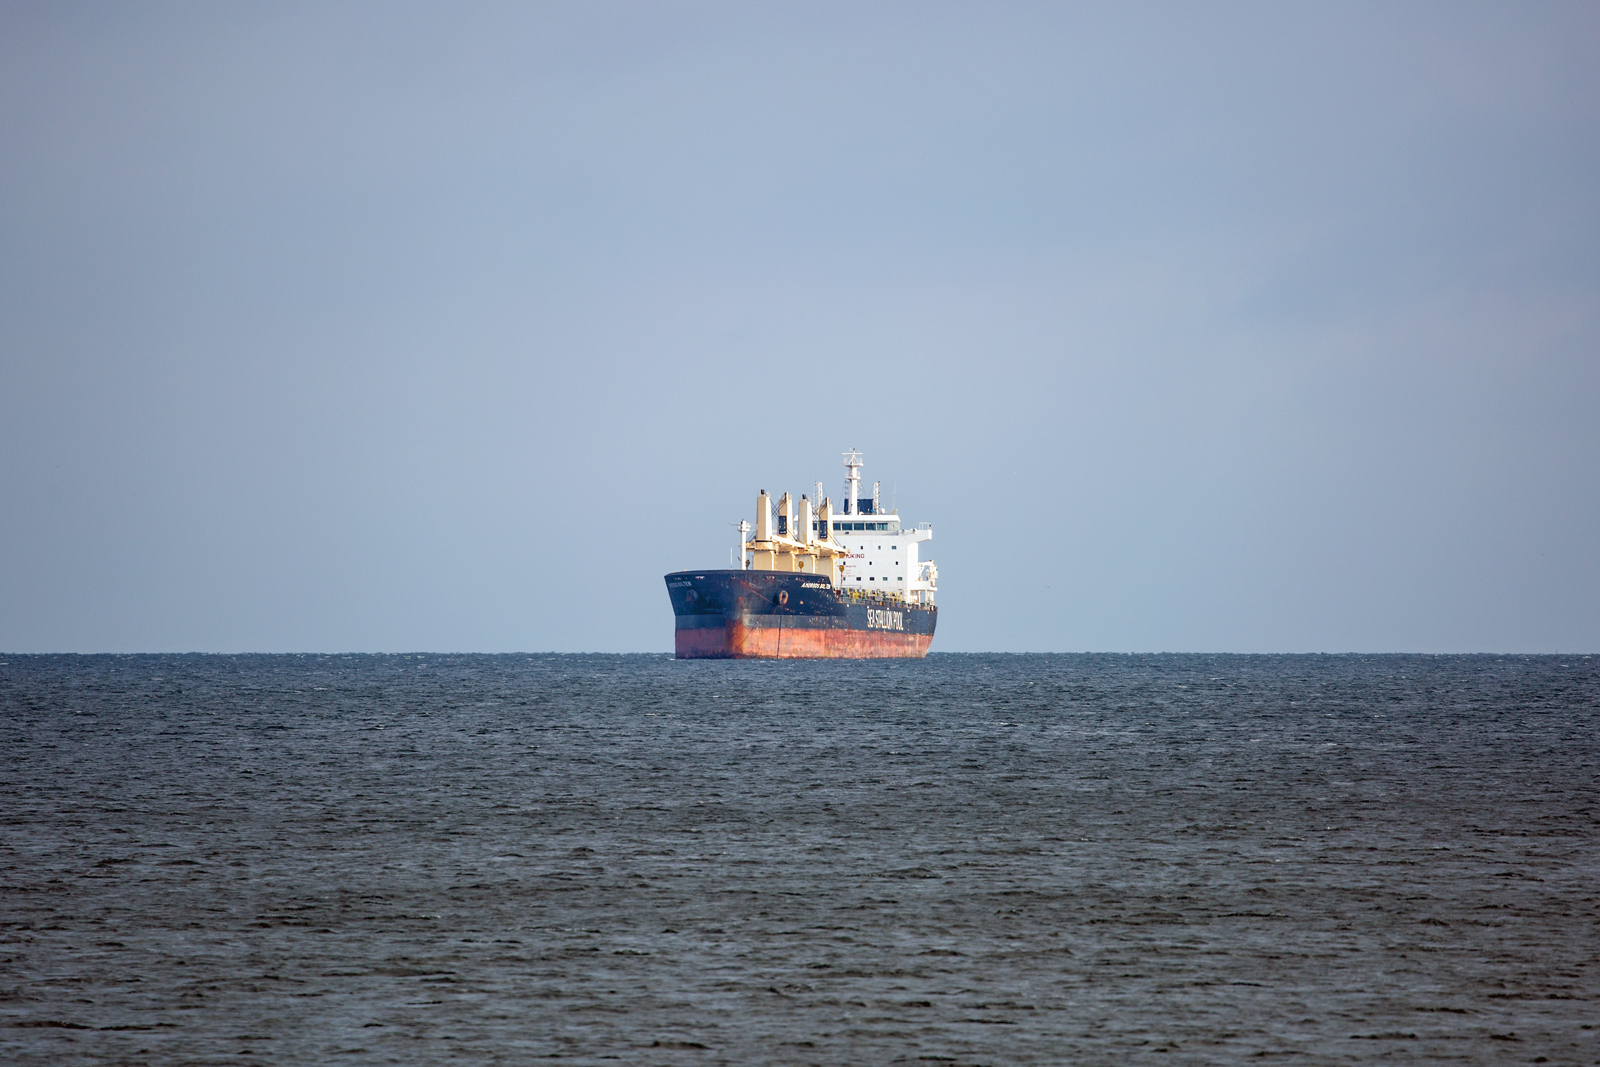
970	859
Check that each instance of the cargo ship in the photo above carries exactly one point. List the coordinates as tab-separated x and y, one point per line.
813	583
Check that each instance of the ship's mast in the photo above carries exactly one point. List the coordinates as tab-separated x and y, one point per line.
744	535
852	485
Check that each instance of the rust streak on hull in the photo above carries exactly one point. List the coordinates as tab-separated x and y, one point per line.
731	614
738	641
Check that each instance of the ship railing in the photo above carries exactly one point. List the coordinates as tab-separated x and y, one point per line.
873	597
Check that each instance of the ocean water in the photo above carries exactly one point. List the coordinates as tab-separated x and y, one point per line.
961	860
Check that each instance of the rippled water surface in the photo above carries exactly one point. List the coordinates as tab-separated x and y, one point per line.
966	860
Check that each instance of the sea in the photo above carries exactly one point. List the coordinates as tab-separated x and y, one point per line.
967	859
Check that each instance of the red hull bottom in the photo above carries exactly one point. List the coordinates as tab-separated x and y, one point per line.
738	641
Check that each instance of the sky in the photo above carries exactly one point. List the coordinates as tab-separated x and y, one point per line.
1190	328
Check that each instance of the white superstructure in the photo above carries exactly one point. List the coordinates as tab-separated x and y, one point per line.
862	548
883	556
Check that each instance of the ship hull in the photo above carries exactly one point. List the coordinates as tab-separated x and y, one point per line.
729	614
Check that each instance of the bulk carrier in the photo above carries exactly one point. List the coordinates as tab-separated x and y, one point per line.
813	584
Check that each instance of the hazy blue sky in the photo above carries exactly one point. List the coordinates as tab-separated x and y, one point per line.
1190	327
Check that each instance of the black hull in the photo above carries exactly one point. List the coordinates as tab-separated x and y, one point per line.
733	614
